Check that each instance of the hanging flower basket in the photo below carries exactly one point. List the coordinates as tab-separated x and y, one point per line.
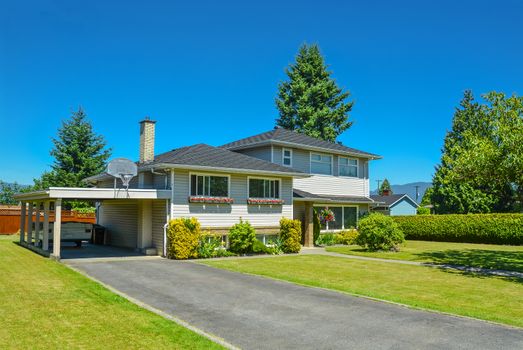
326	215
213	200
261	201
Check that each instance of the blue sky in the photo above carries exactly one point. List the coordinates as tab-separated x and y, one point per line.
208	71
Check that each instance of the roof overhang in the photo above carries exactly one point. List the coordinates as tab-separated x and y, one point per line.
93	194
324	200
383	204
302	146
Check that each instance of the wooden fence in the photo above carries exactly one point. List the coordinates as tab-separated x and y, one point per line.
10	218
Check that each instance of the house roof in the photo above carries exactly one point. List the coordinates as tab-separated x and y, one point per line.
391	200
303	195
286	137
203	156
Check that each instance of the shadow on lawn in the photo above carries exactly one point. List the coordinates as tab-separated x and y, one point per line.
486	259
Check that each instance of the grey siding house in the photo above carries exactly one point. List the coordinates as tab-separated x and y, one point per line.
262	178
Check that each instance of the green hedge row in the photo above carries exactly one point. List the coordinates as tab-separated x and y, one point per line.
469	228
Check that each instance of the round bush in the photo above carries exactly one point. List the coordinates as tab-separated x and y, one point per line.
379	232
242	238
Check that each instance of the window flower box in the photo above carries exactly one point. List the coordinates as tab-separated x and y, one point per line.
263	201
212	200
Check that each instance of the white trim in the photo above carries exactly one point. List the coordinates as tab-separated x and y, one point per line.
213	169
321	154
210	174
265	178
272	154
350	165
94	193
283	156
305	147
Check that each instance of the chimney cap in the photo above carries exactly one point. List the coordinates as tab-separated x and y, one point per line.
147	120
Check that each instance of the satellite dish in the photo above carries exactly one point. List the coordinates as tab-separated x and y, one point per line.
124	169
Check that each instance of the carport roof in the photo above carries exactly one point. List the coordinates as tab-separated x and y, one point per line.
93	193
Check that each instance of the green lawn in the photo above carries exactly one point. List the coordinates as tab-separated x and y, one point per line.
45	305
489	298
488	256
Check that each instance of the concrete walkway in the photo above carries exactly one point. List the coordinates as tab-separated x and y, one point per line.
479	270
253	312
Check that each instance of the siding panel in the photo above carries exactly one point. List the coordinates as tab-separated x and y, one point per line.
223	215
120	218
159	218
341	186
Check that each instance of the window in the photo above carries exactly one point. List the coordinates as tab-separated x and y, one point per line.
344	218
287	157
262	188
348	167
321	164
209	185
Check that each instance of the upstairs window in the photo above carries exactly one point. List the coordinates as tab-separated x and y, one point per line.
262	188
287	157
321	164
209	185
348	167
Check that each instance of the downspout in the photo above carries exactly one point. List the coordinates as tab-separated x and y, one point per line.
165	240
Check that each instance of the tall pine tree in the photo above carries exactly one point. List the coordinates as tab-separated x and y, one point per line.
78	153
311	102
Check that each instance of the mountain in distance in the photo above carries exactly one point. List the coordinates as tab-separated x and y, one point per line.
409	189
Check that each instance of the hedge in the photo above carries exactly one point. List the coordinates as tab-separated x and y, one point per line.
465	228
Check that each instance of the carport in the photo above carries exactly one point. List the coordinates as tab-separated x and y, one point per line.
31	202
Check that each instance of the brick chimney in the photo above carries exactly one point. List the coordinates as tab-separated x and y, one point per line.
147	140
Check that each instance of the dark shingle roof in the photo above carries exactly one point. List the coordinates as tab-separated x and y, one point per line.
391	199
284	136
202	155
330	198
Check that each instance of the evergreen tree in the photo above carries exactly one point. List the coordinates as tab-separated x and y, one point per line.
481	166
385	186
7	192
78	153
311	102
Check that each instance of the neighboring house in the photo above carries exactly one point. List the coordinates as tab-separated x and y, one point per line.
394	204
261	179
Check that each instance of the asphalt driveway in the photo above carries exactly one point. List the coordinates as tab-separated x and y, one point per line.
257	313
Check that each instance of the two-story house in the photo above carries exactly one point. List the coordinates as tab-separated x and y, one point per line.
261	179
338	175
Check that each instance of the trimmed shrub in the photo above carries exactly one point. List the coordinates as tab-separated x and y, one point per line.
183	235
242	238
347	237
290	235
423	211
326	239
466	228
379	232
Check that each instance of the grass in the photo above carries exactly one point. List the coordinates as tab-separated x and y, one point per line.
488	298
487	256
45	305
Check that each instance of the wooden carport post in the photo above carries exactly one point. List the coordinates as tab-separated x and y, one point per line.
29	223
56	228
308	232
45	235
37	223
23	207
